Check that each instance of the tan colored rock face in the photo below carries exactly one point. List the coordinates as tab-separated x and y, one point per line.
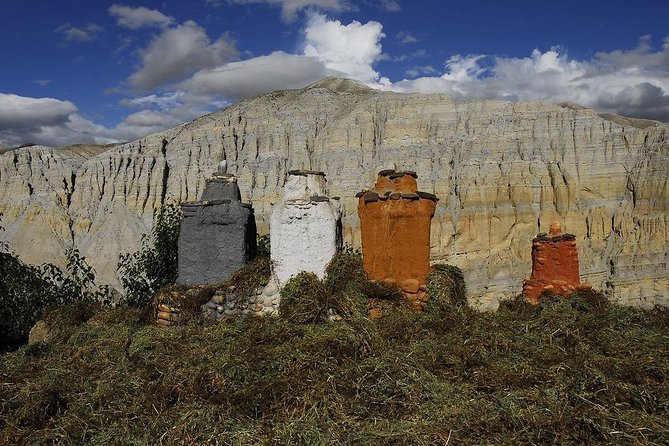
502	170
395	230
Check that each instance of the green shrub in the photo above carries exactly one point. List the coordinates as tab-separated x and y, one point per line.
154	266
26	291
263	246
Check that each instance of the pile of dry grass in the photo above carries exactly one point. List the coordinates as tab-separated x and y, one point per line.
568	372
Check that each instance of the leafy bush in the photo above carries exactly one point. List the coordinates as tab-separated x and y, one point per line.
263	246
154	266
26	291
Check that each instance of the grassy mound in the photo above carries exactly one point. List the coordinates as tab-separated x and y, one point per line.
573	371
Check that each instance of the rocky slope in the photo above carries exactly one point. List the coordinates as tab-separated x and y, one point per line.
503	171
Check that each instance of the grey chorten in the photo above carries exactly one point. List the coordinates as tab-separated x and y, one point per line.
218	232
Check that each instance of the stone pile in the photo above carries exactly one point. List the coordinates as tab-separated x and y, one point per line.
168	316
218	233
395	227
175	305
305	227
231	302
555	267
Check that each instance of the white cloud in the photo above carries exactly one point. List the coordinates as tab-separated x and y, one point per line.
330	49
391	5
350	49
42	82
38	120
258	75
290	8
135	18
19	112
86	33
53	122
632	83
405	37
178	52
164	101
420	70
143	123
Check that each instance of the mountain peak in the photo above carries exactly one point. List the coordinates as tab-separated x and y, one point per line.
341	85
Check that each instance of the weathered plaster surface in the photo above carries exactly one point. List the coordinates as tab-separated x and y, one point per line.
218	235
304	227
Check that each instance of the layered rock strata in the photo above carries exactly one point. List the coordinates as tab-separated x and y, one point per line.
555	267
218	233
305	227
395	227
503	170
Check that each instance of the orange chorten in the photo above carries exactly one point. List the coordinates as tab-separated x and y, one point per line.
395	224
554	266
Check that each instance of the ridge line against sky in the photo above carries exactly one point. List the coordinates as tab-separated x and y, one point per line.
107	71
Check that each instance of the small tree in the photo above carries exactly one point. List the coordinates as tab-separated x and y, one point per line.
154	266
26	290
76	283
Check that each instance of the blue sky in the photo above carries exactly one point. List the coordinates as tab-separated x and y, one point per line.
78	71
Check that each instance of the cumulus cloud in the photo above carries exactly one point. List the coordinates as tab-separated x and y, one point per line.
19	112
86	33
330	49
350	49
178	52
290	8
391	5
140	17
405	37
164	101
632	83
54	122
420	70
258	75
36	120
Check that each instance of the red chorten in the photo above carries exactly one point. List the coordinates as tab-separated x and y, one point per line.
554	266
395	225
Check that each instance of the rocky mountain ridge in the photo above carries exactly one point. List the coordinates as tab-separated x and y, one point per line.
503	172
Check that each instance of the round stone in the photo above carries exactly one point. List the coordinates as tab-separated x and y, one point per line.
271	289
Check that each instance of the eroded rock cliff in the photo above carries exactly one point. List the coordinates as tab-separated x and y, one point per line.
504	171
